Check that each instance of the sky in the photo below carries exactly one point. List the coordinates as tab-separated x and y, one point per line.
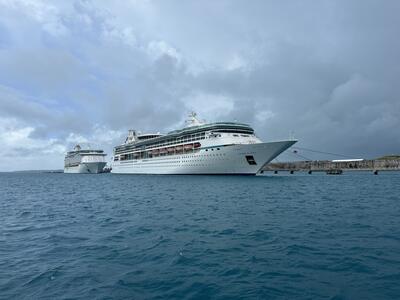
325	72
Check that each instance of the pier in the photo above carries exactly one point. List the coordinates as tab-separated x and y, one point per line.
335	167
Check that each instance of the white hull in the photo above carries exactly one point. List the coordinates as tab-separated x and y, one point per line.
230	159
86	168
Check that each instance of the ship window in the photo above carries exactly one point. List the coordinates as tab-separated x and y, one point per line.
250	160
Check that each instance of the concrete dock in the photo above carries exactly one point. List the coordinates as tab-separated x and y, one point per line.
374	165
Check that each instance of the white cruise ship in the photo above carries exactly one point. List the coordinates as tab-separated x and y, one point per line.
84	161
199	148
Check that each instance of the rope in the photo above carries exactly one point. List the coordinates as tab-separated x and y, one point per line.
322	152
302	156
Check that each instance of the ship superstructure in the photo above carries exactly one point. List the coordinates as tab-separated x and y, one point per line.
199	148
84	161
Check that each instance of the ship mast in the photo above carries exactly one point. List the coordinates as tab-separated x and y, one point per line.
192	120
132	136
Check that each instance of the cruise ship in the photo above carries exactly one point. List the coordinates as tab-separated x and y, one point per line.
199	148
84	161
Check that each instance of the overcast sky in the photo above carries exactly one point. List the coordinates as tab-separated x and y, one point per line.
87	71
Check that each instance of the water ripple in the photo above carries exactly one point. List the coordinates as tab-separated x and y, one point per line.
202	237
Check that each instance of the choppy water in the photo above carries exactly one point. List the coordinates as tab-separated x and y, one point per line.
66	236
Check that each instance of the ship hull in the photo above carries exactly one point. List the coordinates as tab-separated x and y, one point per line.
86	168
244	159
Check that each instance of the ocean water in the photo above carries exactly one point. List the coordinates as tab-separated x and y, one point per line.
71	236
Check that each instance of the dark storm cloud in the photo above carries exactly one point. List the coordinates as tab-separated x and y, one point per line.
327	71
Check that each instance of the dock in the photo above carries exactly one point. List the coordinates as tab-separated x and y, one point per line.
335	167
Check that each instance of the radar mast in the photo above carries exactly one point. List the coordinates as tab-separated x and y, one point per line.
192	120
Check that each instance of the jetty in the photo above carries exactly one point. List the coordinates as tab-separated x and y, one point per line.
337	167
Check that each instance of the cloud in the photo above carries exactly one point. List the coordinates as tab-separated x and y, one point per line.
159	49
86	71
19	150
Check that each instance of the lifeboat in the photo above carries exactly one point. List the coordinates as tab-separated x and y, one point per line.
163	150
197	145
178	148
155	151
188	146
171	149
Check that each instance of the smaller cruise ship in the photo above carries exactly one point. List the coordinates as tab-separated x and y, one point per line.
84	161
